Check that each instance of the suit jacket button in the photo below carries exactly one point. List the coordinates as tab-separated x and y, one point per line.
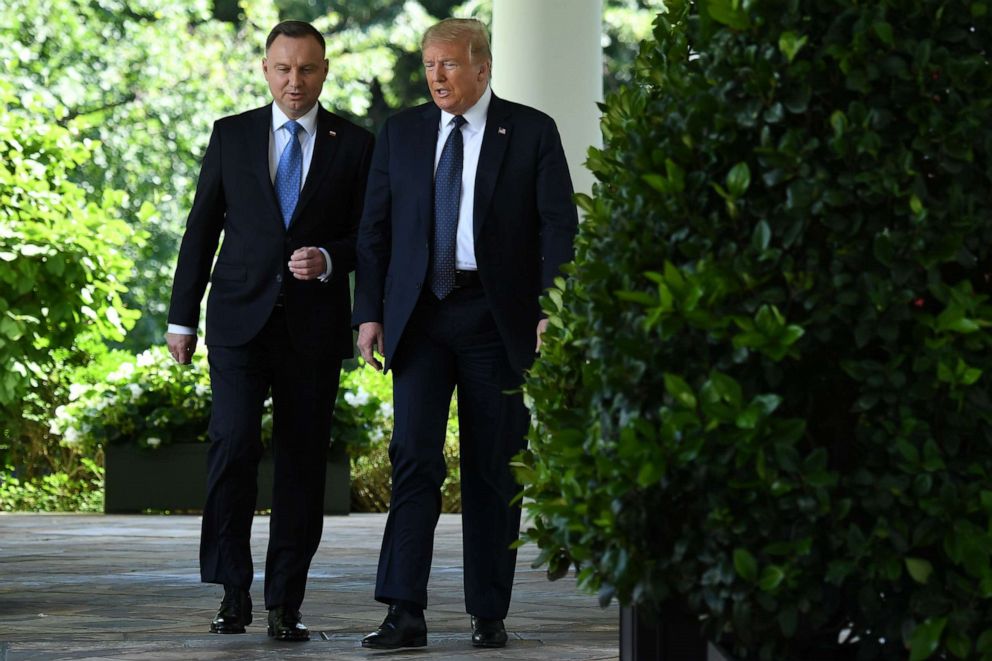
279	278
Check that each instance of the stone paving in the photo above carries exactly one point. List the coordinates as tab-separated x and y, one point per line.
101	588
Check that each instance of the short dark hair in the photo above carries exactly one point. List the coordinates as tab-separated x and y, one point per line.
296	30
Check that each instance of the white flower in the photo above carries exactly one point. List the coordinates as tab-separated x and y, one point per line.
70	436
386	410
376	435
123	372
135	389
154	442
360	398
201	389
76	390
146	358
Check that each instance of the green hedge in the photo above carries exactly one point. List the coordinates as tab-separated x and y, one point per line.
764	395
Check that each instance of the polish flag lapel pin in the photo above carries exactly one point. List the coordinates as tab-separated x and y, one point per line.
501	131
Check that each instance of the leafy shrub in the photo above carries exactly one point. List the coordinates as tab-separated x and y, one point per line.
55	492
764	397
365	409
150	400
62	273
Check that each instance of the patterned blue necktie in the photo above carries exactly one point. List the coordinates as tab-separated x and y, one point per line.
447	196
289	173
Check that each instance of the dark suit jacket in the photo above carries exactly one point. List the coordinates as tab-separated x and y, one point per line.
235	195
523	215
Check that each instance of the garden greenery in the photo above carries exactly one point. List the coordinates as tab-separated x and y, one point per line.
764	395
150	401
55	492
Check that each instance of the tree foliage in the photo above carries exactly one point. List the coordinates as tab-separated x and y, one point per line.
61	269
142	82
764	395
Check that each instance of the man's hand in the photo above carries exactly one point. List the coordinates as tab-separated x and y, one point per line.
307	263
542	326
370	341
181	347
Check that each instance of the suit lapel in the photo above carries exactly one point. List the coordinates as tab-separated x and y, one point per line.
423	152
261	135
494	141
324	147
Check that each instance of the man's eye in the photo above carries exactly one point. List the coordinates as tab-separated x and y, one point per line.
450	65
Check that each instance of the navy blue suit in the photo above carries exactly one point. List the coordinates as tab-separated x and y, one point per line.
478	339
270	333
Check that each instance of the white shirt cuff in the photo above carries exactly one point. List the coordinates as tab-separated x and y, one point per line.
181	330
327	260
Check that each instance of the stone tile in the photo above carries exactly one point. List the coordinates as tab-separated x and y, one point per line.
126	588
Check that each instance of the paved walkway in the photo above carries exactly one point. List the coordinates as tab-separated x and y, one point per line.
100	588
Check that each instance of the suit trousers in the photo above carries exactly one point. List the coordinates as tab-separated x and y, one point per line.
303	391
446	345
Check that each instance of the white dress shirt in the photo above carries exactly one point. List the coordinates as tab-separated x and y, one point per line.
472	131
278	140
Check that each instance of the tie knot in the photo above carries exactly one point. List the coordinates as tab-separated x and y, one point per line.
293	127
458	121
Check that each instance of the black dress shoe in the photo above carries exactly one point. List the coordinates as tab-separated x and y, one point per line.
285	624
401	628
235	612
488	633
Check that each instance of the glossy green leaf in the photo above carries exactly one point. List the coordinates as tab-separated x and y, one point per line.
926	638
745	565
919	568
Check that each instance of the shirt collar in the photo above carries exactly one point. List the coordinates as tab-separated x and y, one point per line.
474	116
307	121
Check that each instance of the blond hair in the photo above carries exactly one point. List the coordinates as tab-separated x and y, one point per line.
461	29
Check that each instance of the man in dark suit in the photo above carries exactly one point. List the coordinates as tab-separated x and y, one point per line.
284	183
468	217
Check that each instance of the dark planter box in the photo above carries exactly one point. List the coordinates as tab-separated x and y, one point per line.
174	477
670	635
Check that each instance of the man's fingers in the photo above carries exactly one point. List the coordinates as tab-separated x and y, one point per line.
370	341
369	357
181	347
306	263
542	326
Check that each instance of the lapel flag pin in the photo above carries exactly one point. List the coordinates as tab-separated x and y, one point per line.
502	131
333	134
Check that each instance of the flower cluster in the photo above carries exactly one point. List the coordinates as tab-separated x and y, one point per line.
363	416
149	400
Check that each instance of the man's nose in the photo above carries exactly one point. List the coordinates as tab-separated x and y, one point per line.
438	74
294	77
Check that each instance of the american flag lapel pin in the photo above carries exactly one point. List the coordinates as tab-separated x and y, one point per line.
333	134
501	131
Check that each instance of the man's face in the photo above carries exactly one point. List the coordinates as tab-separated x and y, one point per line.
455	82
295	69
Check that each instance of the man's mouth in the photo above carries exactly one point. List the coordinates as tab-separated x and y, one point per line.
441	91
